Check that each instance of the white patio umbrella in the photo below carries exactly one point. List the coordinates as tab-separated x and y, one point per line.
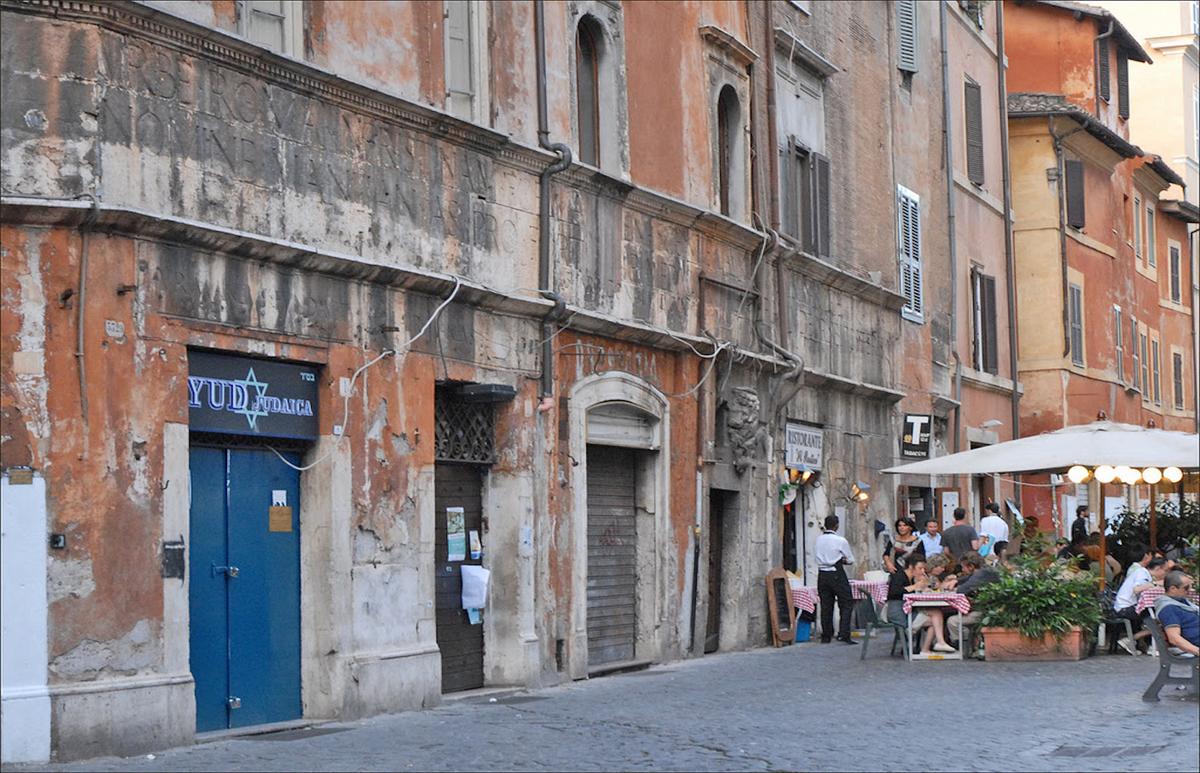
1090	445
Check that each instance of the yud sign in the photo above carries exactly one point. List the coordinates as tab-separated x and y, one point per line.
914	443
246	396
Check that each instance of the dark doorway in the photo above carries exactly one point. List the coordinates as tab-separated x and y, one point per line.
460	640
716	554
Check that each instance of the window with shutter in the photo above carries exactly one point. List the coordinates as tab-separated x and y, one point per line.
1176	287
1102	74
906	33
1122	85
1075	195
908	235
1137	226
1157	392
460	85
984	341
820	203
1137	358
1118	339
789	194
1145	366
1151	252
1177	378
1076	316
273	24
974	124
587	89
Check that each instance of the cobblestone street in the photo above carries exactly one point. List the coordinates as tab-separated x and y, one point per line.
810	706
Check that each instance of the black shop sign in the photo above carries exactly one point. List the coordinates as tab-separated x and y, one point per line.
914	442
247	396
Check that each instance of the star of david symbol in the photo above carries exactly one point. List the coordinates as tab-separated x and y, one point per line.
251	411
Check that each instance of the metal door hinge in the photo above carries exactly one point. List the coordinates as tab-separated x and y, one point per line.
234	702
228	571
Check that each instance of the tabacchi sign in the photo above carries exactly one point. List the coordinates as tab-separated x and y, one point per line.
246	396
914	443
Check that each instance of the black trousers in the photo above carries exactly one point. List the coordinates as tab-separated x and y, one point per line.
831	585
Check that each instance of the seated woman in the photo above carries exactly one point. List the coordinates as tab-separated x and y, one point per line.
905	543
911	578
938	569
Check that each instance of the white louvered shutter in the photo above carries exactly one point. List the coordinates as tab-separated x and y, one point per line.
906	34
908	208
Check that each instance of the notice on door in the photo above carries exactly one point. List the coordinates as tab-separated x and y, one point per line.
279	518
456	534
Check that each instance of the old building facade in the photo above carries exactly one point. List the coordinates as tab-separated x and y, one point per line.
311	308
1105	315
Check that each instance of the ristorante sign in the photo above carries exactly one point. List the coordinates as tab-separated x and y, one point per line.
245	396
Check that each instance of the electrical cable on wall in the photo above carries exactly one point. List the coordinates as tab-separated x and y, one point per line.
354	379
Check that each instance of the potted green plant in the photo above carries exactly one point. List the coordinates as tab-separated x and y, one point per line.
1039	609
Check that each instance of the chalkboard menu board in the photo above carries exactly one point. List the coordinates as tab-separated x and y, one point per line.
783	612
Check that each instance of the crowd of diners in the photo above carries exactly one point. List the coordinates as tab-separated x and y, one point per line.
963	560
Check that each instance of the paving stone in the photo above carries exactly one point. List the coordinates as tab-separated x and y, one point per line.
809	706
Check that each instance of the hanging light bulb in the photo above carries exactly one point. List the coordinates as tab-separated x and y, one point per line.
1132	476
1078	474
1105	473
1123	473
1152	475
1173	474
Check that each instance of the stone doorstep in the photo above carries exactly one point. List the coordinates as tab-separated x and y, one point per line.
271	727
479	694
618	667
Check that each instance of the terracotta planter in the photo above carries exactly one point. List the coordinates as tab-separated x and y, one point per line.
1007	644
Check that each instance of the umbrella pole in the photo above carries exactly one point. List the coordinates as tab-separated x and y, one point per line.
1154	516
1103	540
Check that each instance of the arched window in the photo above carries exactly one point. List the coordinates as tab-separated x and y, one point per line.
588	42
728	148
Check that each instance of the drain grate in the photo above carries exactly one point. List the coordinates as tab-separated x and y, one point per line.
1105	751
296	735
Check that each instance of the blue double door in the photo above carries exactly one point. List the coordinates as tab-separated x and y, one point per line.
244	596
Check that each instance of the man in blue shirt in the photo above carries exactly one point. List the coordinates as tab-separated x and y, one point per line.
1180	618
931	540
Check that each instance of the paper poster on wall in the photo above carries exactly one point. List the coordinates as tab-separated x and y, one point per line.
474	586
456	534
949	502
476	545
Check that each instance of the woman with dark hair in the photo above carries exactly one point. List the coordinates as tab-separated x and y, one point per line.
905	543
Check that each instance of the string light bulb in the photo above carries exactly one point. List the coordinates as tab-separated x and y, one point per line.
1078	474
1152	475
1105	473
1173	474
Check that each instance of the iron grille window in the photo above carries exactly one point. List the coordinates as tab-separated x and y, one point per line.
465	432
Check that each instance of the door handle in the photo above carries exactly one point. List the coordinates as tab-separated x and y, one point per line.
233	702
228	571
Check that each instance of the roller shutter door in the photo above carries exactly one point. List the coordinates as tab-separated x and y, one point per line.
612	555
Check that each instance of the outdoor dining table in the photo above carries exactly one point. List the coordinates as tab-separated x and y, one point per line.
804	597
876	589
1147	598
957	601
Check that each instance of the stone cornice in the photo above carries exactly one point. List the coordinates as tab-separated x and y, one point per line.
186	36
839	278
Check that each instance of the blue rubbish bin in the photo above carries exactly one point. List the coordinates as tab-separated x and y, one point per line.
803	630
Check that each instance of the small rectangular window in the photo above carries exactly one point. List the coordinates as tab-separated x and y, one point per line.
805	198
908	236
974	125
459	60
1157	392
1075	195
1177	378
1176	287
1076	310
1151	256
984	351
1118	340
1102	76
906	34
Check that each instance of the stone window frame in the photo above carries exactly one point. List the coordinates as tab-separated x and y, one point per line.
294	23
614	132
727	64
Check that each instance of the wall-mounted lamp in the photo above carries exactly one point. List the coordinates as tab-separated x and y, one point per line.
860	492
990	423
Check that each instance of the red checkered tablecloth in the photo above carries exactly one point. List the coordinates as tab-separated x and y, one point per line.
804	597
960	602
877	589
1147	598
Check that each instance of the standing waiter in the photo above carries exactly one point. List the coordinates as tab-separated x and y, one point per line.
833	553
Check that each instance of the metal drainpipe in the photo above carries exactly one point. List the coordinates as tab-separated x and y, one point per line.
85	228
1009	256
545	272
951	219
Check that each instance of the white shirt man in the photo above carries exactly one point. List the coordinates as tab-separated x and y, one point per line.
993	526
833	552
